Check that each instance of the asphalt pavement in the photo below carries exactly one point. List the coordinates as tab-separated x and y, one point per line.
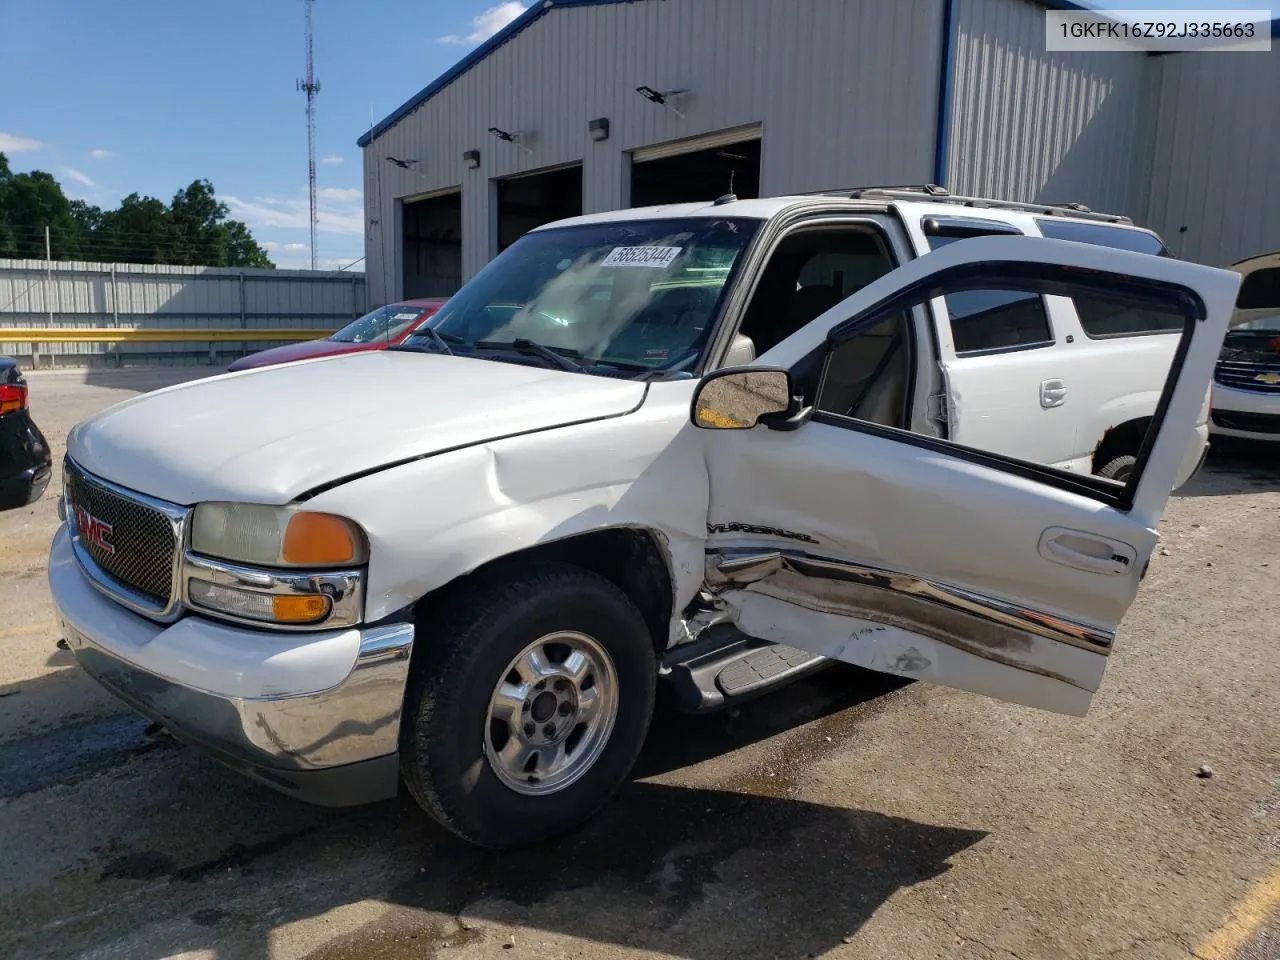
849	816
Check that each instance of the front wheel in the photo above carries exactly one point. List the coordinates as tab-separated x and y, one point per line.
1119	468
527	704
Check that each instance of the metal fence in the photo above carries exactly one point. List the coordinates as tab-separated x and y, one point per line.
178	303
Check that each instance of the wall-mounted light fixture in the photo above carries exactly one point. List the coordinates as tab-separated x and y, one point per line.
518	138
599	128
402	164
472	159
663	98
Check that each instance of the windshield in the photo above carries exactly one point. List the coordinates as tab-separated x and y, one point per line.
1268	324
636	296
1260	290
385	323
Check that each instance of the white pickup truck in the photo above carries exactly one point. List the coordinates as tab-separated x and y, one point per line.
712	445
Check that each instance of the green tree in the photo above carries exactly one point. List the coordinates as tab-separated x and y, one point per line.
140	230
29	202
205	235
193	230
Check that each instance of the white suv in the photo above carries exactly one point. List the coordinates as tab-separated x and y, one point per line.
716	446
1246	382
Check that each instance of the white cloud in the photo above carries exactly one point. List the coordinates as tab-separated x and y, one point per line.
488	23
348	194
275	213
78	177
9	143
102	154
294	248
333	159
269	245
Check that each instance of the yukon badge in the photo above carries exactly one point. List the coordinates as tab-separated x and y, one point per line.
713	528
94	532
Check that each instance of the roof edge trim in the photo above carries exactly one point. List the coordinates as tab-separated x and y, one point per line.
536	11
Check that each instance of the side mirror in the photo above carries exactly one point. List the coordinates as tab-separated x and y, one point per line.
740	398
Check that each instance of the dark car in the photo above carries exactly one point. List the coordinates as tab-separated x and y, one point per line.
376	330
25	461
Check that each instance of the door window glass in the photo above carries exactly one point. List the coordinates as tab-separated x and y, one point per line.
855	379
994	320
808	273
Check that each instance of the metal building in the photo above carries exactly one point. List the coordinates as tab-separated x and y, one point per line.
580	106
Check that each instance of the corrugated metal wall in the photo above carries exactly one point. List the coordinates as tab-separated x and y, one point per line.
846	91
1035	126
1214	162
80	294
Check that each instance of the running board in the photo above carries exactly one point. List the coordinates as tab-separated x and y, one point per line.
724	666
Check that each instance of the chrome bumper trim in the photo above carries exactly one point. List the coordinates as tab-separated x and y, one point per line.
344	588
355	721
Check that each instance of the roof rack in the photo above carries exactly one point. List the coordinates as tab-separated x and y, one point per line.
933	192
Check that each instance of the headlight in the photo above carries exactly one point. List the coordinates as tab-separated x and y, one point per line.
284	566
276	536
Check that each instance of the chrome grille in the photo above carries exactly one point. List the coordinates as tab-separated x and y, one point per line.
1243	375
132	542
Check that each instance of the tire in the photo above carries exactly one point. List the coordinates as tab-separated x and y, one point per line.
1118	468
452	757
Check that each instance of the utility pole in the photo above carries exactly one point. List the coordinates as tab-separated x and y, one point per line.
311	87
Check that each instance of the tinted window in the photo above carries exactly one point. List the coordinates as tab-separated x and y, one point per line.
1260	290
997	320
1100	319
1118	237
983	320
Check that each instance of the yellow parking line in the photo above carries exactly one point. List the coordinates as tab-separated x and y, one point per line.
719	419
27	628
1246	919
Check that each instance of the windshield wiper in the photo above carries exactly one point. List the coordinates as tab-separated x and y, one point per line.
438	338
559	356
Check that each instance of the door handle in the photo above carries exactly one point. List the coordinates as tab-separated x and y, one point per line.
1053	393
1084	551
1084	561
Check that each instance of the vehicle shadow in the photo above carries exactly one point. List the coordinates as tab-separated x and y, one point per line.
1236	467
202	860
663	870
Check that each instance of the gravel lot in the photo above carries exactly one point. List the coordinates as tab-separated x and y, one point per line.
848	816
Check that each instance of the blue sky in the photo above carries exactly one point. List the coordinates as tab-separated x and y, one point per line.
117	96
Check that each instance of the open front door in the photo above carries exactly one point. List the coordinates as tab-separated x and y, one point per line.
854	539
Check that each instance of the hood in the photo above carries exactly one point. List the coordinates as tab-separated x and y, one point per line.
269	435
305	350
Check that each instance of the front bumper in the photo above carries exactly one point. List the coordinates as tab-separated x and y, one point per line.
316	716
1245	414
25	487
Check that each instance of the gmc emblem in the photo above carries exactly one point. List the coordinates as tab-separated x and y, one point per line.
93	531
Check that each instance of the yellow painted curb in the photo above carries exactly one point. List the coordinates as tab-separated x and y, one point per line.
1245	921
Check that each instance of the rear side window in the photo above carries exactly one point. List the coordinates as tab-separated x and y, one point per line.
1260	290
990	321
1100	319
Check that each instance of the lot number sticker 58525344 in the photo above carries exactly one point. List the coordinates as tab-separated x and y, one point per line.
658	257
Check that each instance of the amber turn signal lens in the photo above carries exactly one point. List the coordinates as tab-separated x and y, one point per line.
318	539
301	609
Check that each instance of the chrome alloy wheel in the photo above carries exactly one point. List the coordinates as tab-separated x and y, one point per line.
551	713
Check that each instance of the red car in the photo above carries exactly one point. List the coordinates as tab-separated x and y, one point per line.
374	331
